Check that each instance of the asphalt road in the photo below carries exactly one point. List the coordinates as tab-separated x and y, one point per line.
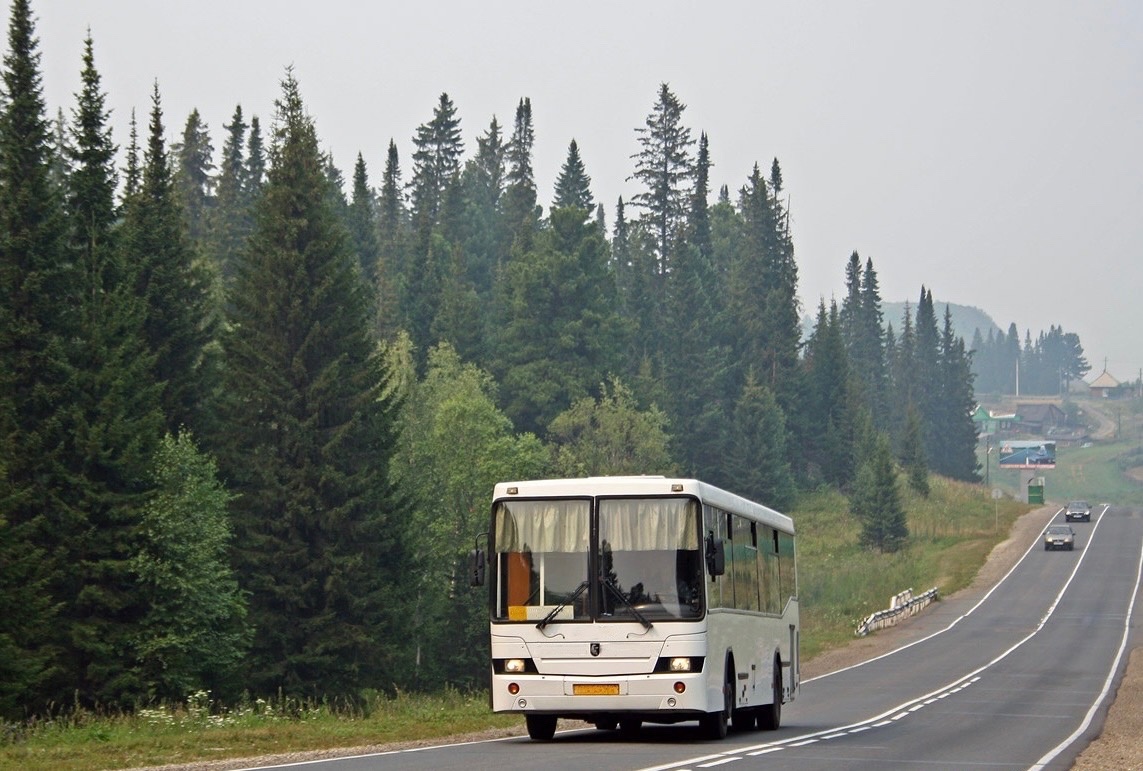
1019	680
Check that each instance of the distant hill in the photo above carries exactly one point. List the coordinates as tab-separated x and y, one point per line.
966	319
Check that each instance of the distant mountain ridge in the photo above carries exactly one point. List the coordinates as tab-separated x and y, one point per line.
966	319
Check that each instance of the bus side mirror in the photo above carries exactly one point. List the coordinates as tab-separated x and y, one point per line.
476	567
715	556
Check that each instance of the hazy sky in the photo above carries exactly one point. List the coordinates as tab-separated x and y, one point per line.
992	151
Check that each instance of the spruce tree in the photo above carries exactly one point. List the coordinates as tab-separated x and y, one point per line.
230	217
560	332
392	257
178	291
665	168
912	454
255	162
956	427
363	222
436	174
193	177
926	368
318	528
193	634
876	500
115	423
700	407
483	227
758	465
698	223
829	405
573	185
39	321
870	362
521	214
762	300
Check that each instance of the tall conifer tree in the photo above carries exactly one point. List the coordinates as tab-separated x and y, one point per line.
363	222
956	427
181	316
318	527
116	421
436	176
230	217
521	215
665	167
392	242
193	176
39	320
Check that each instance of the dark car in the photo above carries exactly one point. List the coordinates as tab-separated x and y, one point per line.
1078	511
1059	537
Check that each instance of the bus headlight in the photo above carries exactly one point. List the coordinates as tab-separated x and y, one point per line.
680	664
513	666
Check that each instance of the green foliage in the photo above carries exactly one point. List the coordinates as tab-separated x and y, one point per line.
455	445
193	635
560	333
757	465
610	437
876	500
912	455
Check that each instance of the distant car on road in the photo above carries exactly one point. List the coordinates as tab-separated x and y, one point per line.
1059	537
1078	511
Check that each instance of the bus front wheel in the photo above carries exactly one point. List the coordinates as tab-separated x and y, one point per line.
770	715
714	724
541	727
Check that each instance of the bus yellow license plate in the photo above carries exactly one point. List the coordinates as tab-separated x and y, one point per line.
595	689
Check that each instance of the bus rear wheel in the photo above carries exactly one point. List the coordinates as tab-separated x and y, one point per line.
541	727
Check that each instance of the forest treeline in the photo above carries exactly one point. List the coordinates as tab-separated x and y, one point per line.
251	411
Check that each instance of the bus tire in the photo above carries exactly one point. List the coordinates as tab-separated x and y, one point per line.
541	727
770	715
714	724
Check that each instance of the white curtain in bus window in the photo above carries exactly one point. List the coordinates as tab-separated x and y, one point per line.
649	552
542	557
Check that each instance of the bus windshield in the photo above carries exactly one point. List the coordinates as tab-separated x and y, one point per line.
644	563
649	551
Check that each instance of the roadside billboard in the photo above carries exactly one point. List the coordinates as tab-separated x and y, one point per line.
1027	453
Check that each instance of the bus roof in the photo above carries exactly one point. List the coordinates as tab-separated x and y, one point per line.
645	485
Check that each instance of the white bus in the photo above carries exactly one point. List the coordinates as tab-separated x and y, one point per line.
623	600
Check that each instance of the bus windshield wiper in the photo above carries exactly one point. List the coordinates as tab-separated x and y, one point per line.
548	618
623	598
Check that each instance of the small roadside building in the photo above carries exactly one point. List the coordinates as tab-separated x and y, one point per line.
1104	387
990	422
1040	417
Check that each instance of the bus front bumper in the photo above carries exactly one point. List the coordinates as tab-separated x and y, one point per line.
646	695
